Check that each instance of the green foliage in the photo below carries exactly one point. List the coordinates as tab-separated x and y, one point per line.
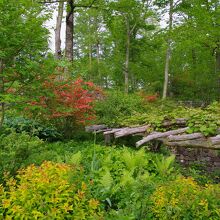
183	198
15	150
126	182
164	166
206	120
22	48
51	191
33	128
116	105
154	114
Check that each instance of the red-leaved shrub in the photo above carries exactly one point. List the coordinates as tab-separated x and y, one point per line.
69	99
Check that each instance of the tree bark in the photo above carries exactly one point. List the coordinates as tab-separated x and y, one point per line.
127	56
130	131
215	140
90	58
195	143
157	135
96	20
168	52
58	54
98	59
185	137
69	30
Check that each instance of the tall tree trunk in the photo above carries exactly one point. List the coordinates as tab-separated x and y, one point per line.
166	72
58	30
69	30
127	57
126	71
98	60
90	58
96	20
90	47
168	52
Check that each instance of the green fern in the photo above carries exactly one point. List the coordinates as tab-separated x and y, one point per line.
134	160
106	180
127	178
76	158
144	178
140	158
164	166
107	161
129	160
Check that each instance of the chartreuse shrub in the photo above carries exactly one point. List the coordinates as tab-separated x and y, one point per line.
183	198
51	191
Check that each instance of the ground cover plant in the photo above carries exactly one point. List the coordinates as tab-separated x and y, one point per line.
121	183
114	112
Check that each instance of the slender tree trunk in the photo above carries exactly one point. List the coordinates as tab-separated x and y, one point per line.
90	46
127	57
168	52
96	20
126	72
90	58
69	30
166	73
58	31
98	60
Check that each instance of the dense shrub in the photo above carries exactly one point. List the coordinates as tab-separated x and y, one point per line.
116	105
67	104
128	184
51	191
183	198
34	128
15	149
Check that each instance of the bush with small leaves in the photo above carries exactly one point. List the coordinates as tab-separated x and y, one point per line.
183	198
51	191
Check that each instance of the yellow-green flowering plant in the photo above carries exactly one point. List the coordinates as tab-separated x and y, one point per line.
183	198
51	191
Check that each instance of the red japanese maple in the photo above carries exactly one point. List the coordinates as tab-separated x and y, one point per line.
70	99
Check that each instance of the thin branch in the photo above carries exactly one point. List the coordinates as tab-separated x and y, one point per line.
75	5
51	2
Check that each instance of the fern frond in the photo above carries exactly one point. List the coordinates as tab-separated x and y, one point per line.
127	178
164	165
76	158
106	180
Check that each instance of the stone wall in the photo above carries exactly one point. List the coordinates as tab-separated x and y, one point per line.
209	159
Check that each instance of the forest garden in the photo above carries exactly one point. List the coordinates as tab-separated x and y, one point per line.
119	119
